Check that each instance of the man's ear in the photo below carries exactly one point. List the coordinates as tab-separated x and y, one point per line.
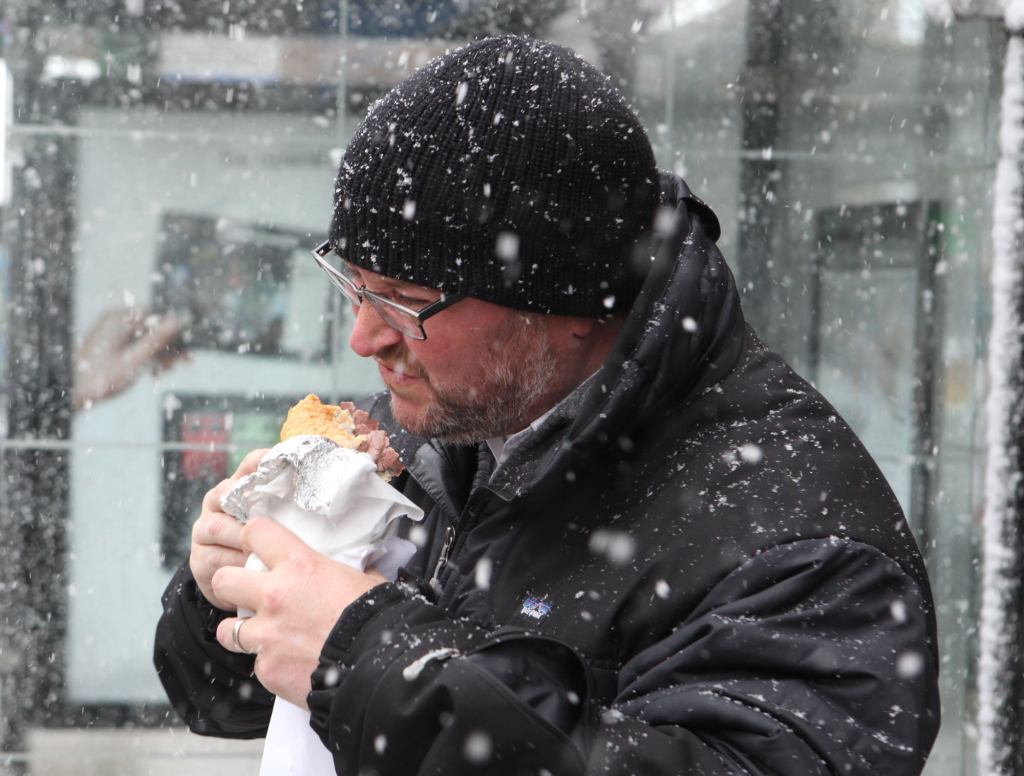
601	328
581	328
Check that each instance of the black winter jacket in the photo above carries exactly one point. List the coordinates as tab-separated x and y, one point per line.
695	568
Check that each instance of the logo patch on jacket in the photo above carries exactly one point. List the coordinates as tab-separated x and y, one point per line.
535	608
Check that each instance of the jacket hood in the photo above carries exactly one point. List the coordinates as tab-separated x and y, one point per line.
684	332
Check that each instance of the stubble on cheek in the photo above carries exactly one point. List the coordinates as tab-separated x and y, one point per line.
488	404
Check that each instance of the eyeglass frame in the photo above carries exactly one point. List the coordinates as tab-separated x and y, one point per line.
345	284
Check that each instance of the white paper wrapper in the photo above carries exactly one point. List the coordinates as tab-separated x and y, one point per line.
332	499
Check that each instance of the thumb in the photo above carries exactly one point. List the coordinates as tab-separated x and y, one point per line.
272	542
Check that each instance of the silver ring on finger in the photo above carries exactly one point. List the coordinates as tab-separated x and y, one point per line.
234	637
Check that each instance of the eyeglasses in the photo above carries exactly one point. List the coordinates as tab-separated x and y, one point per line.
399	317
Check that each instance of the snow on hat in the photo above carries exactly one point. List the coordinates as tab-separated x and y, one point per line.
510	170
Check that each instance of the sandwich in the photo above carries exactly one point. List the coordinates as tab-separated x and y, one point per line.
346	426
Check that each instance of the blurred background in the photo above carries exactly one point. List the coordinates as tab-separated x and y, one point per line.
171	163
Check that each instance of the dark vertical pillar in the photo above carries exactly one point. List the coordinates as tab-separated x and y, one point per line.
928	309
793	49
39	232
761	90
617	25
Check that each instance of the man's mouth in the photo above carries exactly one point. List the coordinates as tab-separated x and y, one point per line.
397	373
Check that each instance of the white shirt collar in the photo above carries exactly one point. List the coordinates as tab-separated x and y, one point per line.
499	444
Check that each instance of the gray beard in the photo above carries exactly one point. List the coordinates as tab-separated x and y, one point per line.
520	373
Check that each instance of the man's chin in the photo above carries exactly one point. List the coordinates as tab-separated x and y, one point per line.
425	420
410	415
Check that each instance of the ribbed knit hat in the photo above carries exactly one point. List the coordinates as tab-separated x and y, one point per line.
509	170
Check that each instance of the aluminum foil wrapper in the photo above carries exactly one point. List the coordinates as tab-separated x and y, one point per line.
332	498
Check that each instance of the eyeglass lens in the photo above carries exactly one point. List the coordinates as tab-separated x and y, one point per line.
407	323
397	319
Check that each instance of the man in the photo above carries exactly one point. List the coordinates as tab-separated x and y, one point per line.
649	547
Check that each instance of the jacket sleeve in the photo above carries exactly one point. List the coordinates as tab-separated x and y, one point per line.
210	688
815	657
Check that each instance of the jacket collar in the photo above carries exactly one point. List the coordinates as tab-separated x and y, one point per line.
683	334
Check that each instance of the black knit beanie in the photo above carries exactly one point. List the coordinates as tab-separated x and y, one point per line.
509	170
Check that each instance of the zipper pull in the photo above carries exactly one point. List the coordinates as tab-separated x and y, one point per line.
442	559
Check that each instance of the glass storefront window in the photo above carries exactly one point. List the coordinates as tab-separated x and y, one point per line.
174	163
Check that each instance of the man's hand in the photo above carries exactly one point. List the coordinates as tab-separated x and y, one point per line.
217	537
297	602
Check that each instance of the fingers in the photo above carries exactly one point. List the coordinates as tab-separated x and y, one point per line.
213	525
217	537
216	543
296	603
229	635
215	557
272	542
205	561
250	462
238	587
281	671
212	499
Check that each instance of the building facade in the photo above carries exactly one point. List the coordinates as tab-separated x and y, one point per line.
172	165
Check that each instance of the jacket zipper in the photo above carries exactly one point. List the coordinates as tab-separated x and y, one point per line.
450	536
442	559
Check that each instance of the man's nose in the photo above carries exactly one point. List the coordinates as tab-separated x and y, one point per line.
370	334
